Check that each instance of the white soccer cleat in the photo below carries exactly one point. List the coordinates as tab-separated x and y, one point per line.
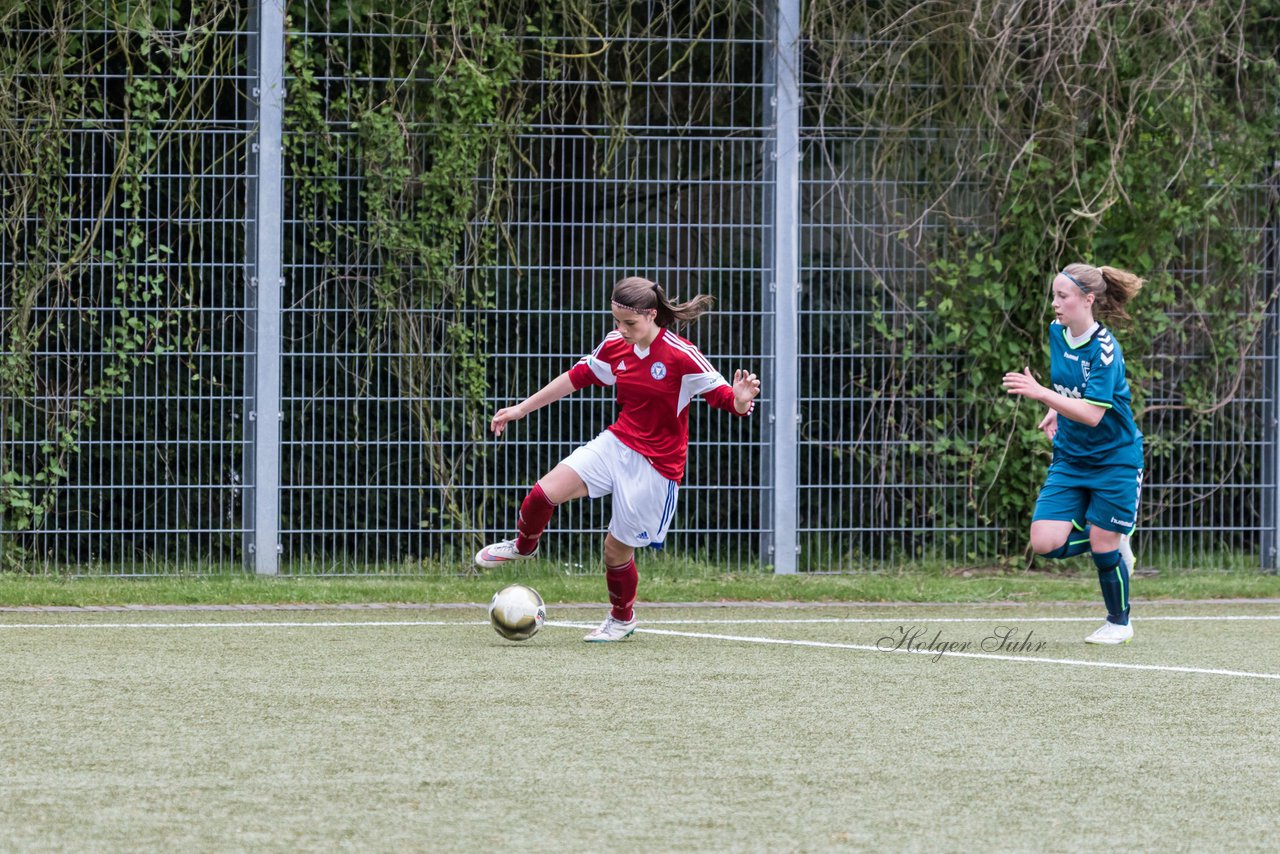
1126	553
500	553
612	630
1111	633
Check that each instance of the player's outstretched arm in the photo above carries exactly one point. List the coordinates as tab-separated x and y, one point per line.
746	387
559	387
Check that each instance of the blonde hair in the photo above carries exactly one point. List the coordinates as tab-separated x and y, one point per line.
1111	287
639	294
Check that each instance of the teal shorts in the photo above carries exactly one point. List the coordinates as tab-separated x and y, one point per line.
1103	496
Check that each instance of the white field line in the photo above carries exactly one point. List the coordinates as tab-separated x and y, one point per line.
784	621
1116	665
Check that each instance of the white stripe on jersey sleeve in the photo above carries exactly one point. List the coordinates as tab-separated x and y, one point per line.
703	380
692	385
602	369
693	353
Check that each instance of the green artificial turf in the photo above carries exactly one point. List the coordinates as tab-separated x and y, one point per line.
736	730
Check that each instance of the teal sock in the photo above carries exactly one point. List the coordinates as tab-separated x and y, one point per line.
1113	578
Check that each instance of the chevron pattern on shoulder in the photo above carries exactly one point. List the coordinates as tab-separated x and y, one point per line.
1108	346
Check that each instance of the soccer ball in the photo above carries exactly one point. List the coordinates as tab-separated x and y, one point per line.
517	612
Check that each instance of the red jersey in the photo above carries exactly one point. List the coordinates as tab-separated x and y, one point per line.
654	387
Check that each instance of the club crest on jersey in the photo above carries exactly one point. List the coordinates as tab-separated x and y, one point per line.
658	371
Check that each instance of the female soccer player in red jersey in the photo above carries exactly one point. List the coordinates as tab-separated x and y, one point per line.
640	458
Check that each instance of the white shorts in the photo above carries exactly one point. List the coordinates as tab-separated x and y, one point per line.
644	501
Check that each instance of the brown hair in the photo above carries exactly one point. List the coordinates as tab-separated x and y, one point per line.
640	294
1111	287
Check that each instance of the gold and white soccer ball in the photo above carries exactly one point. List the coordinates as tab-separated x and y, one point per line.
517	612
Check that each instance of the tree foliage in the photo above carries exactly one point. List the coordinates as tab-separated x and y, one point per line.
1015	138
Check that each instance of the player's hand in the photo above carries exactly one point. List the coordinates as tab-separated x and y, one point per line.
746	387
1023	384
505	416
1049	424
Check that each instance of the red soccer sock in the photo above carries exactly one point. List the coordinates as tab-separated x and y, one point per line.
622	582
535	513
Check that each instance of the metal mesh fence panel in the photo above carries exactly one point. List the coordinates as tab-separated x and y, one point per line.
674	192
874	490
870	492
624	139
1209	484
378	479
121	288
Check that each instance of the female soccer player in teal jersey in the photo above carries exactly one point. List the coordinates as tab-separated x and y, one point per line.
1089	501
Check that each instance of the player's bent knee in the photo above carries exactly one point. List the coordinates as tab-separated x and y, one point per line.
616	552
562	484
1104	541
1050	551
1049	537
1049	545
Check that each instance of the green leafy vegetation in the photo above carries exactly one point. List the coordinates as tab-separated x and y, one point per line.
954	157
1139	136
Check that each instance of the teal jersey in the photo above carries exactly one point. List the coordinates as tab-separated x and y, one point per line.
1093	371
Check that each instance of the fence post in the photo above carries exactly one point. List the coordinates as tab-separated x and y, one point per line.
784	286
262	507
1270	540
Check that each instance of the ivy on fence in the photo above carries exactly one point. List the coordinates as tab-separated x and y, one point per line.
1005	141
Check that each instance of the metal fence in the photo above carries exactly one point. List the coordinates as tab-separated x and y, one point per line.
288	410
123	293
680	196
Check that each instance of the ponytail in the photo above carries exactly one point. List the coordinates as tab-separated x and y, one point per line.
1112	288
638	294
1122	286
